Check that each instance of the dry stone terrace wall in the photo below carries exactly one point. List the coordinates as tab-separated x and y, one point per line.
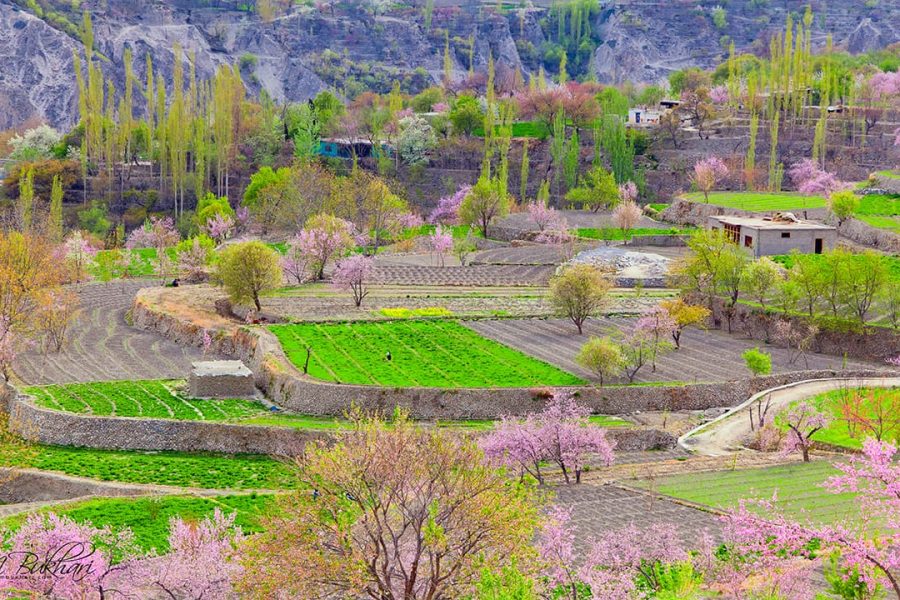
118	433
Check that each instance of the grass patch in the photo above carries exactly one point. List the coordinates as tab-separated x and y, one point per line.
799	490
201	470
615	234
890	174
459	231
788	260
149	518
839	432
658	206
759	201
153	399
424	354
880	222
143	263
522	129
411	313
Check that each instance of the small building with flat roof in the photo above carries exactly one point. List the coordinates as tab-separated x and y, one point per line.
779	234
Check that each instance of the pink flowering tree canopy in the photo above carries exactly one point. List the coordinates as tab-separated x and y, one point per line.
440	242
803	421
542	215
560	434
814	181
708	173
354	273
447	210
323	238
625	216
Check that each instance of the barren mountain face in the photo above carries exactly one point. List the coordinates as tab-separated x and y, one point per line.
296	54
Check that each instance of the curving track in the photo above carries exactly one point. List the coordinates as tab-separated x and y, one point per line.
103	347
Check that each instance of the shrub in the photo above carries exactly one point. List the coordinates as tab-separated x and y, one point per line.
758	362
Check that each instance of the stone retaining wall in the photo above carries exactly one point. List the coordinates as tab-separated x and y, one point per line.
870	343
685	212
120	433
866	235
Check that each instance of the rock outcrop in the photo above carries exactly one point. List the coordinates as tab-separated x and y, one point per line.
309	49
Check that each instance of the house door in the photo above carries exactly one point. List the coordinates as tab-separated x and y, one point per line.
818	245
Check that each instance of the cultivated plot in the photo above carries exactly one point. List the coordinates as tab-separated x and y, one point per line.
422	354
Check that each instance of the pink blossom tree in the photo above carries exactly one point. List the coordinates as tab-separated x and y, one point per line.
154	233
618	557
324	237
894	361
80	254
658	326
296	264
560	434
541	214
625	216
440	242
219	227
812	180
803	421
54	557
353	273
410	220
719	94
708	173
201	562
447	210
556	548
628	192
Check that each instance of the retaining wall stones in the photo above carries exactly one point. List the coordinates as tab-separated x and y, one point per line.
869	343
120	433
866	235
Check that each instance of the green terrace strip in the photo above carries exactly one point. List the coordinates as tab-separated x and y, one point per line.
759	201
615	234
198	470
522	129
151	399
890	174
142	399
440	354
839	432
881	211
143	263
799	489
658	206
149	517
788	260
312	423
459	231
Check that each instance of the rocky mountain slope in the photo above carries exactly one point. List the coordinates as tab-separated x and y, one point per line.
299	53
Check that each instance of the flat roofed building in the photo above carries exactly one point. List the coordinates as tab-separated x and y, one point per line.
767	236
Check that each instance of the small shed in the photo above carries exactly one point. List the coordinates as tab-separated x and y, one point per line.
778	234
643	116
221	379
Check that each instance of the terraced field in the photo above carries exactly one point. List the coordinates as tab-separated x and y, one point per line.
839	432
798	486
149	518
200	470
155	399
423	354
103	347
759	201
705	356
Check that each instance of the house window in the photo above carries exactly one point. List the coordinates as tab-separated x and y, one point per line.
733	232
748	241
785	234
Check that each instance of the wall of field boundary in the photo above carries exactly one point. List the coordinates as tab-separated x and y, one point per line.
289	388
47	426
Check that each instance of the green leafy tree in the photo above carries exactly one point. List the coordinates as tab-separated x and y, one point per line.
485	202
758	362
248	269
210	206
598	190
843	204
602	356
466	115
760	278
25	206
579	292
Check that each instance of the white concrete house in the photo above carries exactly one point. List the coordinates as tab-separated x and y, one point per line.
766	236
